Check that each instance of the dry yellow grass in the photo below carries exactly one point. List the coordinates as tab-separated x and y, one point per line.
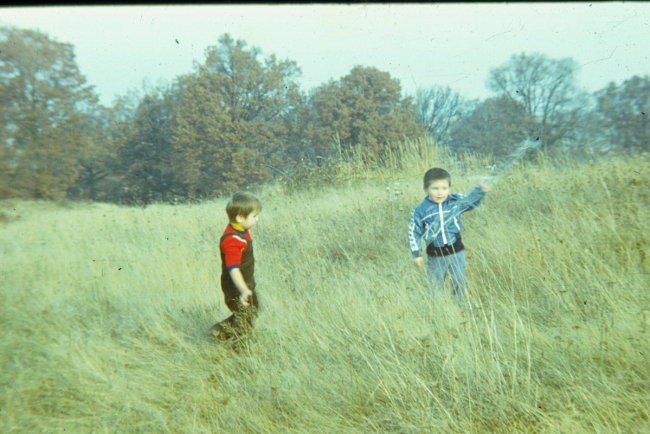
104	311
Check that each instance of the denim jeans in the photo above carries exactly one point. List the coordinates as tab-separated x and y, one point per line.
437	269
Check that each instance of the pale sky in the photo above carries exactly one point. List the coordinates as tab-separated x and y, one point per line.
118	48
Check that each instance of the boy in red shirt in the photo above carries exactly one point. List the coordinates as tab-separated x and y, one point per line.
237	267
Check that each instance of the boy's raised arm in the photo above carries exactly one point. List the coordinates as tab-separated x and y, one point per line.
472	199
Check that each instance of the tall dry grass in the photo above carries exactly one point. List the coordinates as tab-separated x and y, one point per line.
105	309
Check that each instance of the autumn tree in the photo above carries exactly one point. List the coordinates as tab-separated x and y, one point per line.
96	160
45	114
625	110
234	119
547	90
363	110
145	157
437	110
494	127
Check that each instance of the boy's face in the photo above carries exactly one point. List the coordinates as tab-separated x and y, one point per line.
438	191
248	221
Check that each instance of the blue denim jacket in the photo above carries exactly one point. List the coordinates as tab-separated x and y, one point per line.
440	224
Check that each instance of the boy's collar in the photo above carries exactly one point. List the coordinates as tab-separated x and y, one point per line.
236	227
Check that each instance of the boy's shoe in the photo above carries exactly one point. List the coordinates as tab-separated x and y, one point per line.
219	332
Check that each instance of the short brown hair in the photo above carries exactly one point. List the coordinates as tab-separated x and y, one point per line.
242	203
435	174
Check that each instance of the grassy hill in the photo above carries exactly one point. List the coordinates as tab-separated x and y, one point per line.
105	310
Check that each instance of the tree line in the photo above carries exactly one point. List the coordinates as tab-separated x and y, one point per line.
240	119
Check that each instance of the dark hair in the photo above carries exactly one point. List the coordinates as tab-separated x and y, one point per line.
242	204
435	174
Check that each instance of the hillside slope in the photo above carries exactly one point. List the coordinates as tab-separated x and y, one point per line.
105	309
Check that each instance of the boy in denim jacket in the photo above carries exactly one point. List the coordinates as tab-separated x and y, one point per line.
437	221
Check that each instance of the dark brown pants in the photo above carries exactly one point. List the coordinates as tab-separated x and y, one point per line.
240	323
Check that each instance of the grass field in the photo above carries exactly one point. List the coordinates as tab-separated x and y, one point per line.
105	310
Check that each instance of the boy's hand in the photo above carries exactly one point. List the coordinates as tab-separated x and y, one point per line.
484	181
245	297
419	261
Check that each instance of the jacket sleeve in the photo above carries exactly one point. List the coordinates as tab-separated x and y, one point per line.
471	200
415	233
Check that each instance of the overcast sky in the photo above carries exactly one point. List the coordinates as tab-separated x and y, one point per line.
422	45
